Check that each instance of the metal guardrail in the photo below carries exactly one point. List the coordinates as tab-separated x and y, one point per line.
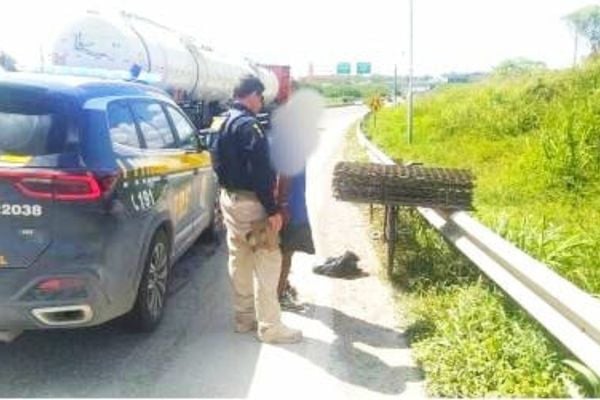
571	315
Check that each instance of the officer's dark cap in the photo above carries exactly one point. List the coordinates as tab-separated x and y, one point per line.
247	85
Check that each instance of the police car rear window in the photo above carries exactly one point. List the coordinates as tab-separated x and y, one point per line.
31	134
31	123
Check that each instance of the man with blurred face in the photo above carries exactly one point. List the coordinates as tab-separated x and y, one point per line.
242	162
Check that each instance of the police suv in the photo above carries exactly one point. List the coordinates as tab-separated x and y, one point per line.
103	185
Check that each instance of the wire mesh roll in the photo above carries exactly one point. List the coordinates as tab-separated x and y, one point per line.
415	186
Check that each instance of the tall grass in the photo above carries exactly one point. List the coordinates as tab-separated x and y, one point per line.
534	144
469	338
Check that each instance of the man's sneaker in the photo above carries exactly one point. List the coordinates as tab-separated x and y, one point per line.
292	291
279	334
287	303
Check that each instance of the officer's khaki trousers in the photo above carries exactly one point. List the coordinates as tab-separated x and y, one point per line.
254	274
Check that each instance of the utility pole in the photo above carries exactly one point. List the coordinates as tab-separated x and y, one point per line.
395	84
409	131
575	48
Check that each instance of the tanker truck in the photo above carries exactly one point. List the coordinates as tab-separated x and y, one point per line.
126	46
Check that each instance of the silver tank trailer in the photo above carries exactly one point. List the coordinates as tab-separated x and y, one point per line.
103	45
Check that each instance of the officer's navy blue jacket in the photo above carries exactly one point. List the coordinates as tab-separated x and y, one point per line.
241	157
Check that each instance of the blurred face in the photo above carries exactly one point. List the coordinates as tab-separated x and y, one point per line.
254	102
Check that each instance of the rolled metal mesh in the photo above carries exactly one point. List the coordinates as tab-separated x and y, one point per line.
415	186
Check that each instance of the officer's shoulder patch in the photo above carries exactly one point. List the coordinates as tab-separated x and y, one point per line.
258	129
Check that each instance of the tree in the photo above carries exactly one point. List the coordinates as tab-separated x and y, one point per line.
518	66
586	23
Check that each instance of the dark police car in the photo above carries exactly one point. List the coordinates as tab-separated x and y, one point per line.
102	188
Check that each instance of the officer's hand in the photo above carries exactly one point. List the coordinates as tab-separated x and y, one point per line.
275	222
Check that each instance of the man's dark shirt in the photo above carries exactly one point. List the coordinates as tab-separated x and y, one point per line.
242	159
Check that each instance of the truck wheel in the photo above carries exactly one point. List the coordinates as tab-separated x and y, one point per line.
152	292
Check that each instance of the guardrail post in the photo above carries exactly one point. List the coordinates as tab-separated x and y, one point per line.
391	234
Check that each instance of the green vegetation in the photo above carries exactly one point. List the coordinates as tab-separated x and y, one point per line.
339	90
469	338
506	356
588	379
533	141
346	89
586	23
518	66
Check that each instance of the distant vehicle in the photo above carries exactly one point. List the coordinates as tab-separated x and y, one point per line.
125	46
103	185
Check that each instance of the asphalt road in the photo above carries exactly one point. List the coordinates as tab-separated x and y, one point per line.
352	346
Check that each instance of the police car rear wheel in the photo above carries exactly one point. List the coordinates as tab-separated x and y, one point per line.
152	293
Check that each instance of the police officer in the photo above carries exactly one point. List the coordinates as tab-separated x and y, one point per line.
242	163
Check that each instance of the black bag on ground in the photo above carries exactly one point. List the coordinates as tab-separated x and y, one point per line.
344	266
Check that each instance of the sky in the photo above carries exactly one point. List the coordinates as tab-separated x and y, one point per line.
449	35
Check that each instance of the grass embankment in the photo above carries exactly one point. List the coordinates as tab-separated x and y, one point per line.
469	339
534	144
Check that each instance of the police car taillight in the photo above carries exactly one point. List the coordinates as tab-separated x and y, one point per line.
63	288
59	185
66	187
